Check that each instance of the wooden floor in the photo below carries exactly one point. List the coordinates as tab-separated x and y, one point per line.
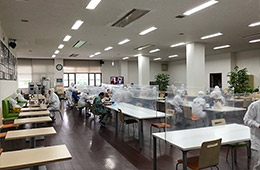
97	148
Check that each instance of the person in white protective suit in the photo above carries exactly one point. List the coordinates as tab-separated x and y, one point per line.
83	100
199	105
69	95
184	91
13	101
252	119
216	94
20	96
53	102
177	101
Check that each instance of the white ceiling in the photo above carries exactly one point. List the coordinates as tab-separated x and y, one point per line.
51	20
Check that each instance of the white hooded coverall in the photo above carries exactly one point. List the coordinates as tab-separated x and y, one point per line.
53	100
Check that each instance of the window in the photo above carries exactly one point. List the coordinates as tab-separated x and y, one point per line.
82	79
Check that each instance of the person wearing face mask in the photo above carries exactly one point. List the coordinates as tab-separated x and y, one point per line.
198	107
83	100
20	96
53	102
177	104
13	101
69	95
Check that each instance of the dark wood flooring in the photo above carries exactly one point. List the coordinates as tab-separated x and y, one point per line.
96	148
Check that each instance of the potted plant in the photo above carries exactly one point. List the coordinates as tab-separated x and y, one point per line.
162	80
238	80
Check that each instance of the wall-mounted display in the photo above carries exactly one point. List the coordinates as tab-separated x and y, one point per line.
117	80
8	64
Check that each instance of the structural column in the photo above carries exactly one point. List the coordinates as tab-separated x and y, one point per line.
143	70
195	65
124	70
58	75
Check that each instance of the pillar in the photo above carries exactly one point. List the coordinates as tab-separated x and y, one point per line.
143	70
124	70
195	65
58	75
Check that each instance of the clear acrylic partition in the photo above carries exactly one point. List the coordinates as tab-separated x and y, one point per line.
141	99
199	107
94	91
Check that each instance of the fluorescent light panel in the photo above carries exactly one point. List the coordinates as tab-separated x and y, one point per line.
108	48
200	7
67	38
125	58
173	56
154	51
148	30
137	55
211	35
221	47
97	53
93	4
61	46
179	44
56	52
254	24
157	59
123	42
53	56
91	55
79	43
254	41
77	24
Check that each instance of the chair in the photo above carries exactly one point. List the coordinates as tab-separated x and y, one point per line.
59	111
1	150
187	111
126	121
208	158
247	102
219	122
92	108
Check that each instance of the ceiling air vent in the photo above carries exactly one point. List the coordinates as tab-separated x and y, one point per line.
180	16
73	55
131	16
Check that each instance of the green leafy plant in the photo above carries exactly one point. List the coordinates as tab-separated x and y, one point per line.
163	81
238	80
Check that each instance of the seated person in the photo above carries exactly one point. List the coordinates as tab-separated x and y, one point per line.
53	102
75	97
198	106
83	100
13	101
216	97
177	103
69	95
20	96
98	105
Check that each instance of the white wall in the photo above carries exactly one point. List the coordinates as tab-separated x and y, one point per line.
132	72
220	63
156	68
251	61
108	71
177	71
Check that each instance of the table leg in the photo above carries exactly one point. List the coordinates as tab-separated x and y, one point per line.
140	133
34	168
233	158
184	158
154	154
33	142
248	154
116	121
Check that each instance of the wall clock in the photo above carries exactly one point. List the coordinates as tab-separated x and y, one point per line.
59	67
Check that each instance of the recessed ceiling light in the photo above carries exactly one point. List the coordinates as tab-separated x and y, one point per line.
254	24
97	53
211	35
125	58
57	52
221	47
179	44
53	56
123	42
93	4
79	43
91	55
77	24
67	38
154	51
137	55
108	48
143	47
24	20
254	41
60	46
148	30
173	56
200	7
157	59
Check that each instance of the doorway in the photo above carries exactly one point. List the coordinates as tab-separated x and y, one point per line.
215	80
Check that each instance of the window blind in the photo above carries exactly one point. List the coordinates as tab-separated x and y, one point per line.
81	66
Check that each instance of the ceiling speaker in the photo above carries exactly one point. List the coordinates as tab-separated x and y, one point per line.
12	44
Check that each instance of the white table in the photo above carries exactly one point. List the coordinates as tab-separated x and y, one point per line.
136	112
32	120
192	139
35	113
225	109
30	133
30	109
33	157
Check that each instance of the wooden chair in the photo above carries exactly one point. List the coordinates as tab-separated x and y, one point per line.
219	122
187	111
126	121
208	158
59	111
247	102
92	108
